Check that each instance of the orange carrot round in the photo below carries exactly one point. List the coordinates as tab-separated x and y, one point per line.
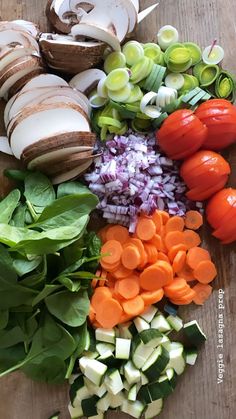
103	233
156	276
186	273
179	261
175	249
152	252
117	232
202	293
193	220
191	239
145	229
114	250
108	313
128	288
185	300
164	215
205	272
133	307
196	255
138	243
157	219
177	286
175	223
100	294
163	256
109	267
152	297
173	238
156	241
130	257
122	272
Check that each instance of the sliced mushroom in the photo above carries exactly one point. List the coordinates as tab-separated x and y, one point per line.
71	174
19	64
4	146
14	37
19	84
13	54
63	162
136	4
45	80
27	26
86	81
97	32
48	121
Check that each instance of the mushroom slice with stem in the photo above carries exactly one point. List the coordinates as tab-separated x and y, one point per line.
86	81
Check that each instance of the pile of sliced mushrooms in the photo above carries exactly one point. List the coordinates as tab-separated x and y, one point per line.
47	119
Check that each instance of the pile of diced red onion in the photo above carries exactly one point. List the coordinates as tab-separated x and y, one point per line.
133	176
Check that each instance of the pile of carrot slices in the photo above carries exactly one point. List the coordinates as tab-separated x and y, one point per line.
162	258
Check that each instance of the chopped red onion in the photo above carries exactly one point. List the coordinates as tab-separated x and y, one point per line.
133	176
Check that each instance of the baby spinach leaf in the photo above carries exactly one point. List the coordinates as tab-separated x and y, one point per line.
38	278
72	286
71	308
80	337
71	188
51	370
6	265
11	235
47	290
15	174
4	316
8	205
14	295
39	190
66	210
94	244
23	266
18	219
10	357
11	337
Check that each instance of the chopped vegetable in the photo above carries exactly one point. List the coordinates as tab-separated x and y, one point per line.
213	54
167	35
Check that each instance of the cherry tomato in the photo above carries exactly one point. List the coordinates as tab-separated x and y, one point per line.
205	173
220	206
219	116
181	134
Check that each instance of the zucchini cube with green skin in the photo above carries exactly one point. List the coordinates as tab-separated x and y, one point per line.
144	395
117	400
141	324
77	385
172	376
153	409
149	314
132	394
104	403
89	407
191	356
124	331
156	363
101	348
155	391
165	385
177	359
105	335
75	412
122	348
175	322
151	337
94	389
113	381
160	323
95	371
131	373
194	333
134	409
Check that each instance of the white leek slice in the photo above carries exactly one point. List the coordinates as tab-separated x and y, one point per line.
117	79
213	57
120	95
152	111
148	98
146	108
102	89
97	101
167	35
165	96
136	94
4	146
114	60
174	81
133	52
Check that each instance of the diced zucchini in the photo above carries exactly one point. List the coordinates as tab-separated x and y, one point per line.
124	331
160	323
134	409
177	361
95	371
108	358
113	381
156	363
194	333
132	394
75	412
144	394
165	385
140	352
122	348
153	409
89	407
191	356
155	391
94	389
78	385
88	341
164	339
105	335
144	379
55	416
175	322
117	400
126	385
132	329
131	373
149	313
101	348
151	337
104	403
172	377
141	324
83	362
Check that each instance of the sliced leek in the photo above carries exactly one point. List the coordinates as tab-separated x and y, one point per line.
136	94
117	79
97	101
195	52
113	61
190	82
167	36
174	81
225	87
198	68
102	88
146	106
178	58
133	52
152	51
165	96
141	69
120	95
213	55
208	75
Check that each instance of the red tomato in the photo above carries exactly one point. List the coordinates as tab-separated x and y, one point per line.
219	115
221	215
181	134
220	205
205	173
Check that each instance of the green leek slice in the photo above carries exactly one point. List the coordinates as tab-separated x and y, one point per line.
136	94
174	80
225	87
195	52
113	61
133	52
141	70
121	95
167	36
198	68
105	120
117	79
208	75
152	51
190	82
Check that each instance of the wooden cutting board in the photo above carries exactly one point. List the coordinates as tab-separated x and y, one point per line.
198	396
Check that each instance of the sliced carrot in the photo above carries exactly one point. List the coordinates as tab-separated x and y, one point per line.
185	300
186	273
176	286
91	313
193	220
179	261
175	223
157	219
152	297
125	317
122	272
175	249
96	325
128	288
110	280
156	241
134	307
152	252
114	250
196	255
205	272
117	232
103	233
202	293
138	243
103	279
145	229
108	313
163	256
191	239
164	215
109	267
95	281
173	238
130	257
100	295
156	276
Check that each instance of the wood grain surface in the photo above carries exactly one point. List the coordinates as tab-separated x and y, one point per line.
198	396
